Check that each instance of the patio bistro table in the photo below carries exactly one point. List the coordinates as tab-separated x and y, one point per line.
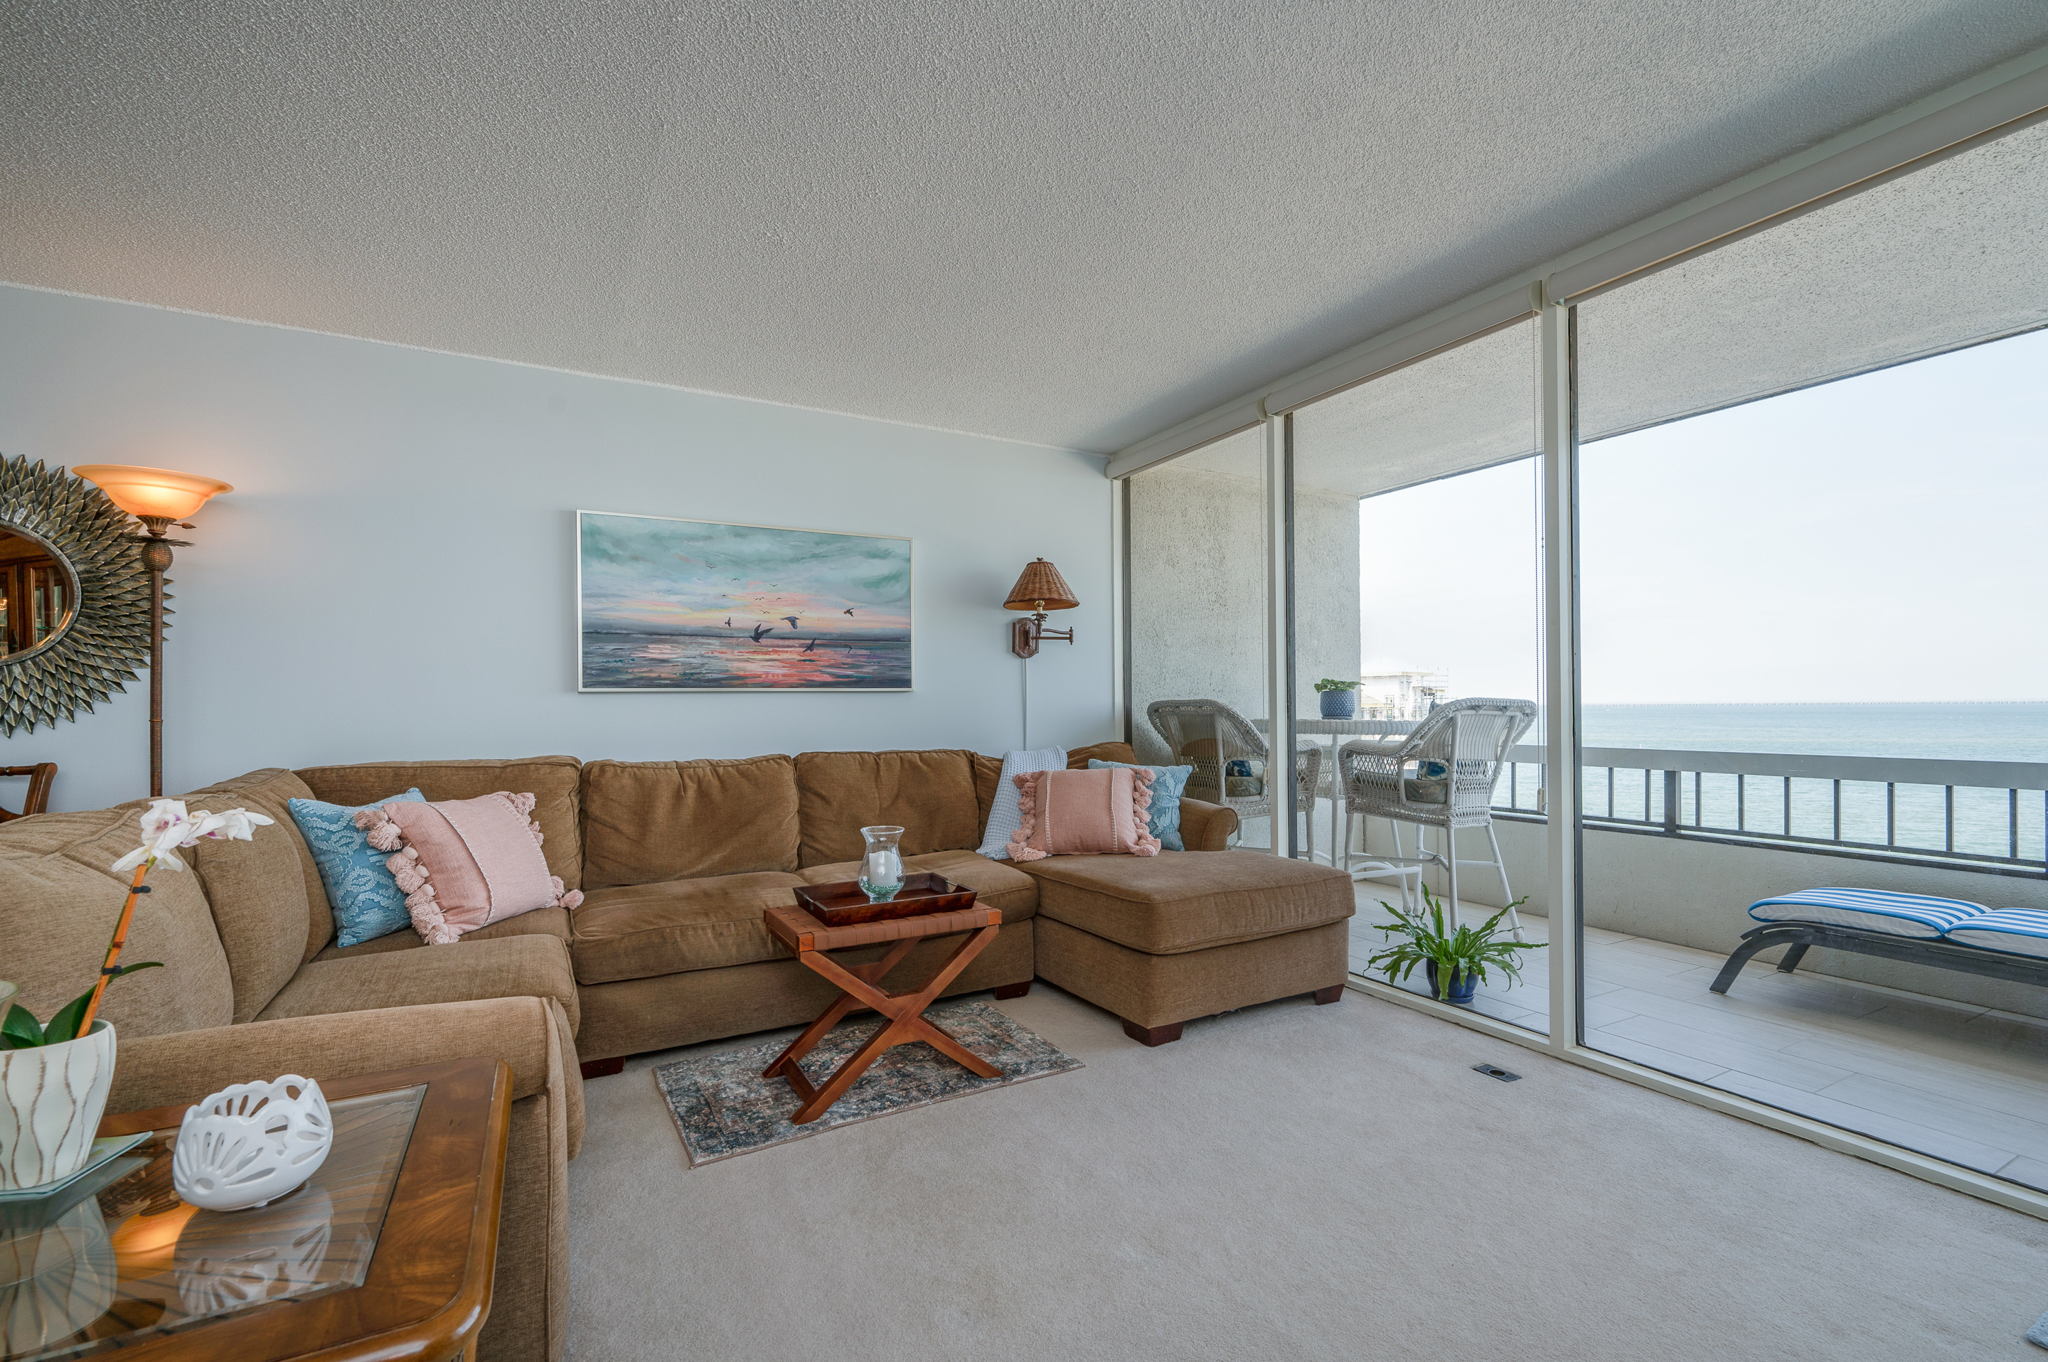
1338	730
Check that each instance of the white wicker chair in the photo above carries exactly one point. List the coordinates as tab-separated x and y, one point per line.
1209	735
1439	776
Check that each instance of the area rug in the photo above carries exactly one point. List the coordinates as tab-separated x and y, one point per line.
723	1107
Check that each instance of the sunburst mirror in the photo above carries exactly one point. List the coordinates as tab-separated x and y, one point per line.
74	597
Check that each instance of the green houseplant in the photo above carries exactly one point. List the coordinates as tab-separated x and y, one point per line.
1457	959
45	1139
1338	699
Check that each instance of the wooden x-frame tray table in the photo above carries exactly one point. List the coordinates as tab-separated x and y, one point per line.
860	987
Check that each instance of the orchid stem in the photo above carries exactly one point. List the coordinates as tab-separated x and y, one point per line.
120	939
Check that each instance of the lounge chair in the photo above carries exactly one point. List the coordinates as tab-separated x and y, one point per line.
2002	943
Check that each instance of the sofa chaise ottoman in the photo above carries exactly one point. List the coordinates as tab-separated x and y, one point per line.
1162	940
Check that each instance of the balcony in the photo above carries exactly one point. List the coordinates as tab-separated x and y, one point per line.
1678	844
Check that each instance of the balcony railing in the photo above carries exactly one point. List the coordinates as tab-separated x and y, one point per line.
1988	813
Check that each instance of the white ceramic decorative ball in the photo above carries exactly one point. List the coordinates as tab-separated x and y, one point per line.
250	1143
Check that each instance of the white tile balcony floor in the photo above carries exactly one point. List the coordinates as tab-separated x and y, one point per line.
1960	1082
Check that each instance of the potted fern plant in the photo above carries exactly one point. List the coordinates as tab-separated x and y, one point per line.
1456	959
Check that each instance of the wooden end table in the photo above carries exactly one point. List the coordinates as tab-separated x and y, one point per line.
386	1252
860	987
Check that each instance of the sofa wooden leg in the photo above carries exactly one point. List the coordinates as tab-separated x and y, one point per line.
603	1068
1153	1035
1328	995
1013	990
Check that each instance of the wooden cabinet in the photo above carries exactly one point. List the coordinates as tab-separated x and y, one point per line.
35	595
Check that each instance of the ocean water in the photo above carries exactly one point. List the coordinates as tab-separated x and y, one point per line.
1982	822
1983	731
695	662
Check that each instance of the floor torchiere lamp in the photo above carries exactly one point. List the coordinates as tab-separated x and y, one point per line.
160	499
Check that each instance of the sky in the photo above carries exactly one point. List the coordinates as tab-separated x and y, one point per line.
1879	538
643	573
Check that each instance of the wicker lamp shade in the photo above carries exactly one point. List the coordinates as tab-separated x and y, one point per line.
1040	587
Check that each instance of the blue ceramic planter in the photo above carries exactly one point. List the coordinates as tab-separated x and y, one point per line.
1463	985
1338	704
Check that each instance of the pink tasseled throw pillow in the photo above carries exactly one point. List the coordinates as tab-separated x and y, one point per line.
465	863
1078	813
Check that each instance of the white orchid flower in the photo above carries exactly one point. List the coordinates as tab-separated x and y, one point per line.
235	824
167	826
164	825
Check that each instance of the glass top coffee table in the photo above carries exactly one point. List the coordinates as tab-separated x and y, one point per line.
373	1252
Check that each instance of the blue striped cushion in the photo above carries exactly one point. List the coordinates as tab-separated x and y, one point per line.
2017	931
1874	910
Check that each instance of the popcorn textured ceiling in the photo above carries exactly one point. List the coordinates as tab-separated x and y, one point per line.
1054	221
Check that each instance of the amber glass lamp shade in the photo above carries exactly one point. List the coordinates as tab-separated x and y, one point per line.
1040	587
152	493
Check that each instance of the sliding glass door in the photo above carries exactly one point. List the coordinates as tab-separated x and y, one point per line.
1417	629
1811	501
1783	499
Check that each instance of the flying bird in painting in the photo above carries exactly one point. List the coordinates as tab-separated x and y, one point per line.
811	647
846	612
791	619
761	629
728	621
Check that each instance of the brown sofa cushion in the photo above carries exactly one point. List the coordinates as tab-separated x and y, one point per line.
465	971
552	922
930	794
1189	900
553	782
649	821
177	1068
265	893
1206	827
989	770
636	931
59	904
1000	886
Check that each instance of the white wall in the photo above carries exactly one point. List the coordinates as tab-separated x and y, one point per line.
394	574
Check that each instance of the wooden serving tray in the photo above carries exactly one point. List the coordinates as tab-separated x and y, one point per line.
843	903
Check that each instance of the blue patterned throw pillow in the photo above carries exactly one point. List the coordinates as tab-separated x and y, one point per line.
1169	783
367	901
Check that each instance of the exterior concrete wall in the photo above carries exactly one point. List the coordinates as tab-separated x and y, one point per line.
1198	584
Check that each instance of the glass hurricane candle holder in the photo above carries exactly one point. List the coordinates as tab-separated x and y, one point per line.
881	868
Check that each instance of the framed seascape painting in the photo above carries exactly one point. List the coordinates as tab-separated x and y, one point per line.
668	604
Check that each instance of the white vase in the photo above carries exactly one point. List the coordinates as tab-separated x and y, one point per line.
250	1143
51	1100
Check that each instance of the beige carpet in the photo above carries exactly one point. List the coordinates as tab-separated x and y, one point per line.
1288	1182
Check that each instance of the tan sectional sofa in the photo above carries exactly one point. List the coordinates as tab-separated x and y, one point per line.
676	861
254	988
